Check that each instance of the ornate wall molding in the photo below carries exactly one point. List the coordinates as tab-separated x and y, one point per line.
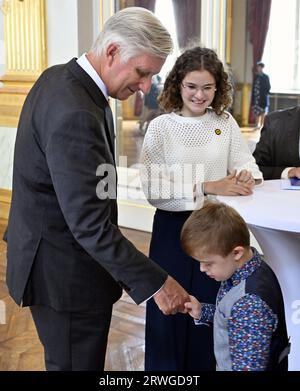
26	54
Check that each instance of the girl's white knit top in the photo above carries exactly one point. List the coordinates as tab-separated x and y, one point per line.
181	152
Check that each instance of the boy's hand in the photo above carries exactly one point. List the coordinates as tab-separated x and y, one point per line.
193	307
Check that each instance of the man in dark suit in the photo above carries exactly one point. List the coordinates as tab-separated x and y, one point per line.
67	259
278	151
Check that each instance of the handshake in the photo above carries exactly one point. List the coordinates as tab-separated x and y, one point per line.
171	298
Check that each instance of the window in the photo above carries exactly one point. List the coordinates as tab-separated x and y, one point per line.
282	48
164	11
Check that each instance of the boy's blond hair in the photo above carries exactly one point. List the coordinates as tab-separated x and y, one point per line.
216	228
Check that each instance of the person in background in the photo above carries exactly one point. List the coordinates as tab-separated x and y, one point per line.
278	151
66	257
260	95
151	107
248	318
195	149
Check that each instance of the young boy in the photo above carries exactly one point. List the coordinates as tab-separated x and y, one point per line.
249	323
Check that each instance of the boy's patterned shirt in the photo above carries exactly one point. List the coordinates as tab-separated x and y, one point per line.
251	324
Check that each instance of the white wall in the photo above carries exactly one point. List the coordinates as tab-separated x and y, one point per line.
62	30
7	135
7	142
72	26
213	26
96	18
85	25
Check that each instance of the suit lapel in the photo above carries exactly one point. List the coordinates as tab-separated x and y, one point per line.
100	100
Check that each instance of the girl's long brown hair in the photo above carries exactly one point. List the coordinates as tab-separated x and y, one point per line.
196	59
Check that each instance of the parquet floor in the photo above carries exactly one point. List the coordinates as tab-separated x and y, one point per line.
20	349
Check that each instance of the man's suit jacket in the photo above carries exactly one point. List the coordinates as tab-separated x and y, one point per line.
278	146
64	247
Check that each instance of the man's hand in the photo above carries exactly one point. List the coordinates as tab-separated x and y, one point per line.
171	297
294	172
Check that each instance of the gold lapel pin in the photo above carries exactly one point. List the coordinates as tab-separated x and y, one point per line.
218	132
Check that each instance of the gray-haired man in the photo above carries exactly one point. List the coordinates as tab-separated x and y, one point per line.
67	259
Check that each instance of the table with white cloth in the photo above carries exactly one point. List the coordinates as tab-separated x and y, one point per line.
273	216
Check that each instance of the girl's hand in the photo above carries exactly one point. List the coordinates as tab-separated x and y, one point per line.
245	177
230	186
